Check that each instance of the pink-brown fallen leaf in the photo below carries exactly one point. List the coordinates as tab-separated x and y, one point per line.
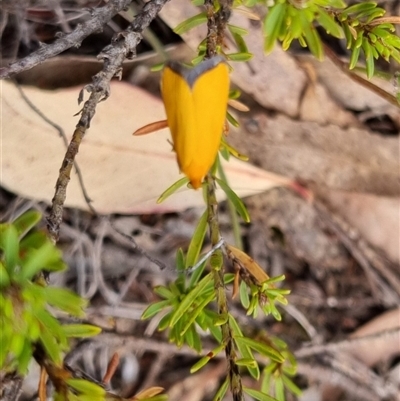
122	174
383	346
377	218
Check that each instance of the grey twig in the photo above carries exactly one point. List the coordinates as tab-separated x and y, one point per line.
383	282
100	17
123	46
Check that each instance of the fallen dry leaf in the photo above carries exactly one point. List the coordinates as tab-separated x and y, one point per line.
318	106
383	346
350	159
122	173
348	93
356	170
376	218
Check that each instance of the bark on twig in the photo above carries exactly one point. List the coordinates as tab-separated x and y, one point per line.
123	46
100	17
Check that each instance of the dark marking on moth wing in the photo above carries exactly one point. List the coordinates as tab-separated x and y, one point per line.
190	75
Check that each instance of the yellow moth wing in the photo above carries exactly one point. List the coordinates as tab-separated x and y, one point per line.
210	95
179	107
195	104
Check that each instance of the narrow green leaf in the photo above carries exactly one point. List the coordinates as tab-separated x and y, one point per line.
5	340
329	23
244	350
220	394
4	277
180	260
203	361
337	3
164	292
313	41
370	15
348	35
164	322
172	189
294	23
86	387
25	357
199	58
358	8
240	43
244	295
65	300
368	58
359	40
237	202
237	29
51	325
355	54
199	364
17	344
272	25
196	312
81	330
266	378
27	221
232	119
234	152
196	275
240	56
279	389
234	94
214	330
47	257
287	41
291	386
196	342
191	23
86	397
155	308
197	241
52	349
261	348
379	32
393	40
258	395
224	152
10	245
396	56
189	337
189	299
157	67
249	363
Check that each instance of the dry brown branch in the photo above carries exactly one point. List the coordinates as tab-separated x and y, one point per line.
343	345
344	67
384	284
123	46
100	17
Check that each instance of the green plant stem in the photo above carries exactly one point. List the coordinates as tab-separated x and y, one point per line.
216	24
216	262
232	211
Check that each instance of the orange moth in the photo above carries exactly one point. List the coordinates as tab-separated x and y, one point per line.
195	101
